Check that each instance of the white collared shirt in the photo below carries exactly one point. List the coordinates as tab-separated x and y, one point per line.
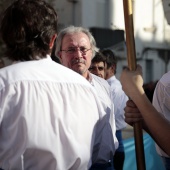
161	101
119	99
103	91
49	116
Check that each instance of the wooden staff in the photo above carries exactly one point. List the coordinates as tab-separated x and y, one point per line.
131	55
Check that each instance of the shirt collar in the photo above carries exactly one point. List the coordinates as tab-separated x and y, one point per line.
111	78
38	58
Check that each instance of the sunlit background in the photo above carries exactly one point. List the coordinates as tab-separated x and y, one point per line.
105	19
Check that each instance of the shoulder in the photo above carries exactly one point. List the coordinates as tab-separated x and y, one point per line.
101	85
100	80
165	80
40	70
114	84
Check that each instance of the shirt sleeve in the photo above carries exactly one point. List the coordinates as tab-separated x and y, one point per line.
161	99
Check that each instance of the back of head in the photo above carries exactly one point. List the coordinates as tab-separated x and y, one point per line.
27	27
72	30
110	57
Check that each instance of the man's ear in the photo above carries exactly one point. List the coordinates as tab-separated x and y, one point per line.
113	67
52	41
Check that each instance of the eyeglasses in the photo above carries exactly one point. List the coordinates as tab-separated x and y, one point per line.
72	50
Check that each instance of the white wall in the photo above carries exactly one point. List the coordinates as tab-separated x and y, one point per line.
93	13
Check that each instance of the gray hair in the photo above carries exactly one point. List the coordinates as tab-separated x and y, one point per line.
71	30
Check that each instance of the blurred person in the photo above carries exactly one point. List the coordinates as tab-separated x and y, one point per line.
98	65
160	101
76	47
50	117
139	108
119	99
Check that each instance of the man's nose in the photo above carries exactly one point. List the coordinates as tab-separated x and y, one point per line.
78	53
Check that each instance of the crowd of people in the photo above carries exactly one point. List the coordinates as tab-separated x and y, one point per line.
61	105
51	117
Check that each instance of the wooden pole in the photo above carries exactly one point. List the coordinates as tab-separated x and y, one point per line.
131	56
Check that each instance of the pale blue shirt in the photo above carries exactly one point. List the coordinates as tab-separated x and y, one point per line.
119	99
50	117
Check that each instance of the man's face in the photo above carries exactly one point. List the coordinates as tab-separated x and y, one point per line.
109	72
78	54
98	69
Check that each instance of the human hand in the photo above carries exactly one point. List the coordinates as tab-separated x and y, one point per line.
132	82
132	114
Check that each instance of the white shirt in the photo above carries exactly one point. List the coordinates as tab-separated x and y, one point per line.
104	93
49	117
119	99
161	101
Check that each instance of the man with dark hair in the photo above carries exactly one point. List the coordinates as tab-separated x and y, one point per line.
119	99
50	117
98	64
111	63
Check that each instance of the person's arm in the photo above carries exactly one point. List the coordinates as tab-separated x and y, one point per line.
157	125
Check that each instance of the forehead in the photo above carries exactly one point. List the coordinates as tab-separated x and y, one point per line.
101	63
76	39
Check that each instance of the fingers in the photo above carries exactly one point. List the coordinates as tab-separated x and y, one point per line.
130	103
139	69
132	81
132	118
131	121
132	114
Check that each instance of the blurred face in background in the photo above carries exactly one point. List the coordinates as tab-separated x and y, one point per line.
98	68
110	71
76	52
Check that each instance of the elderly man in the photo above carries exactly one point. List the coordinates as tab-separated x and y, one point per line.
76	47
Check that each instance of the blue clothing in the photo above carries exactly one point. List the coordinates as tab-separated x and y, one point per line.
99	166
119	138
166	162
119	157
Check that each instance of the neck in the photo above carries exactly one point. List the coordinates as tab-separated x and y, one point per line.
85	74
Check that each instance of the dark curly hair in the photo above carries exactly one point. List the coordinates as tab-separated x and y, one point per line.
27	27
